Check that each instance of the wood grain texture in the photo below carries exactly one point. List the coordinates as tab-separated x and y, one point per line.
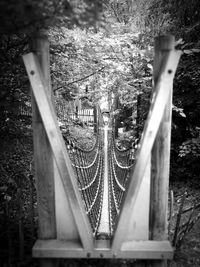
161	153
65	222
70	249
138	228
59	150
43	157
157	108
161	150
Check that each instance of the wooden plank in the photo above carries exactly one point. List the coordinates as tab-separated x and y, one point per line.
161	151
70	249
43	155
151	127
65	222
161	154
95	118
59	150
42	152
138	228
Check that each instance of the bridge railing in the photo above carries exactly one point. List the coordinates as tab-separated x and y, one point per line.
66	111
84	115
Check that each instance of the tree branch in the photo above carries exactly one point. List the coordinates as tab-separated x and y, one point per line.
81	79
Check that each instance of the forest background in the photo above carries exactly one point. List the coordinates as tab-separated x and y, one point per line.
96	47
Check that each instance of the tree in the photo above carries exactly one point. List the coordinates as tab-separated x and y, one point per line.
182	20
19	21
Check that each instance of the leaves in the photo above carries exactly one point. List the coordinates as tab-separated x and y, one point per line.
99	61
27	16
191	51
190	147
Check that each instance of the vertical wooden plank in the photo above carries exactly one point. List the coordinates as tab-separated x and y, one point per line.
116	106
151	128
160	154
139	219
43	157
59	150
65	223
95	119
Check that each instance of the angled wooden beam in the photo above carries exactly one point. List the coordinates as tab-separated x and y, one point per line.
155	115
61	156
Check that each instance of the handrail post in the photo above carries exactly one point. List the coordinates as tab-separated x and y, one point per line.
95	111
43	157
160	153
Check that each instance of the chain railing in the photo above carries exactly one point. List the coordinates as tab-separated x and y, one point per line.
88	166
120	164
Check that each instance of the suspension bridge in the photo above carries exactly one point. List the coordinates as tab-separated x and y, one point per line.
102	176
103	201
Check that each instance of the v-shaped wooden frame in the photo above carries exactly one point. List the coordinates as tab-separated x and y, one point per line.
120	246
66	172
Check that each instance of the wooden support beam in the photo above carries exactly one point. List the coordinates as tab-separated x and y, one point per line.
166	74
130	250
42	152
43	155
59	150
95	114
161	153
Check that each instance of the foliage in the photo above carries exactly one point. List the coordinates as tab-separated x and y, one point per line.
19	20
92	65
184	215
190	148
182	20
27	16
93	58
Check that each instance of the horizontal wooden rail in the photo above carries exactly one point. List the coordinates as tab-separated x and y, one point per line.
133	250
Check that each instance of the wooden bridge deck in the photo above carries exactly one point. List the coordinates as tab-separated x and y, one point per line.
104	222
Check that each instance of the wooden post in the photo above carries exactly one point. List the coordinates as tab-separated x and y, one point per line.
116	119
81	227
43	157
151	129
95	119
160	154
138	118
